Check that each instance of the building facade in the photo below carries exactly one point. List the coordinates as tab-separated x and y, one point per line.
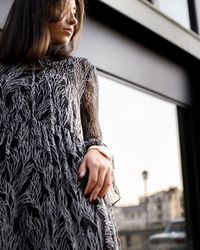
163	207
132	223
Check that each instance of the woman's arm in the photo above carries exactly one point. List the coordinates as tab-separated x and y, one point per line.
100	168
90	109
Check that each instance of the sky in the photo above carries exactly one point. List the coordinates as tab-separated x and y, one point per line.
141	130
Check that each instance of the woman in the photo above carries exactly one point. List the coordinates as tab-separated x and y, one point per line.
56	174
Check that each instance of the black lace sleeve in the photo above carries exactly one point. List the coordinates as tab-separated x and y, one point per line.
90	123
90	110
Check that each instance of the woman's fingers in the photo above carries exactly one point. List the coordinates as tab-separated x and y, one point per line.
107	184
99	184
100	174
92	180
82	169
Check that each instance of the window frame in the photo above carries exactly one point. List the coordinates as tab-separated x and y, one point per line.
191	12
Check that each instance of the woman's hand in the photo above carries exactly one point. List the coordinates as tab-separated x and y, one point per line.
100	174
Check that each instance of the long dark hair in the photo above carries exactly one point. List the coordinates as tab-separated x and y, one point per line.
25	36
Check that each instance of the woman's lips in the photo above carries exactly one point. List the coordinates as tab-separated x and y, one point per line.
68	31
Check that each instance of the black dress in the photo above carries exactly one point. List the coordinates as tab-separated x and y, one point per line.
48	119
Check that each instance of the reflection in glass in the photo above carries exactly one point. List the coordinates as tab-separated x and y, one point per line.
176	9
142	132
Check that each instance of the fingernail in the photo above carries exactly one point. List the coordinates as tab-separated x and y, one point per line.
81	173
92	200
86	195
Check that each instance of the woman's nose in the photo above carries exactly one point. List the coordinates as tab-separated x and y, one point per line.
72	19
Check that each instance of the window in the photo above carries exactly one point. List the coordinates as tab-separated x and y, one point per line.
142	132
177	10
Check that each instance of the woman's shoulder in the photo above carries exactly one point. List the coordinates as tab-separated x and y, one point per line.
82	63
82	67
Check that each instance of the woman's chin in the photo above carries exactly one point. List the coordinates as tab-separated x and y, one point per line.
62	41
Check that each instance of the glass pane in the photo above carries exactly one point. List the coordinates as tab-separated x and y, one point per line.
142	132
176	9
4	8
